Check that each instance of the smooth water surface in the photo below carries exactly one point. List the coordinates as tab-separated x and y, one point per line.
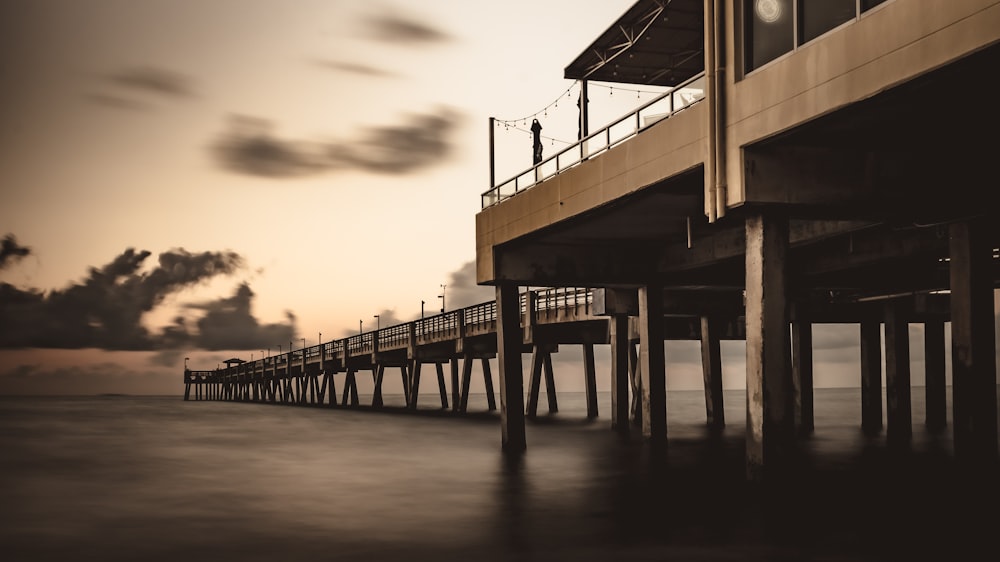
157	478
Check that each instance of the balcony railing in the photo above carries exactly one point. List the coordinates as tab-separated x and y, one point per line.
605	139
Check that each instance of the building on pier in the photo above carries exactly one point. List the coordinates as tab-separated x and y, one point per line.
837	165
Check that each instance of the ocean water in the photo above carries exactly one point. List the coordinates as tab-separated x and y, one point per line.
157	478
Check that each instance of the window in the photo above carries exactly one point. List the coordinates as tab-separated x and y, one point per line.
770	31
774	27
819	16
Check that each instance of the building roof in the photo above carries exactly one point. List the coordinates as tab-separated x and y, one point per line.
655	42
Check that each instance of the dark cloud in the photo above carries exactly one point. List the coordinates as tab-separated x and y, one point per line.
352	68
151	80
250	147
229	324
105	310
462	290
395	28
421	141
11	251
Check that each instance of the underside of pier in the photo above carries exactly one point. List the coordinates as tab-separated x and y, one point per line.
882	213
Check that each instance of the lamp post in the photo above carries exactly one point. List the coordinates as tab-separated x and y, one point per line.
186	363
377	323
303	343
279	349
361	327
441	296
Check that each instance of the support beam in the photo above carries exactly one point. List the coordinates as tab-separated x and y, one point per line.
590	379
414	383
899	418
802	375
491	402
711	368
441	386
534	380
935	389
511	378
466	382
456	392
973	347
550	383
377	400
770	411
652	364
871	376
620	373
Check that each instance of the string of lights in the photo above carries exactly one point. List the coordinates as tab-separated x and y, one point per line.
550	139
543	112
613	88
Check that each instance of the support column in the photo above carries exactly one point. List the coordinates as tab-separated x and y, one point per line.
441	386
534	381
770	392
511	378
590	379
652	365
455	385
899	418
466	382
973	347
414	383
491	402
802	375
619	373
550	383
711	368
871	375
935	390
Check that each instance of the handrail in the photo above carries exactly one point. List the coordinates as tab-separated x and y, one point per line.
476	318
598	142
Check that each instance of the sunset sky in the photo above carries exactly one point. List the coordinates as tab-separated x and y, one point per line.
216	178
209	179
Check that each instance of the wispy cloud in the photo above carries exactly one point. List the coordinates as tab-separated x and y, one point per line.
396	28
153	80
139	88
352	68
251	147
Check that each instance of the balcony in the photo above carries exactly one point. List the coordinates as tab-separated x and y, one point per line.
617	132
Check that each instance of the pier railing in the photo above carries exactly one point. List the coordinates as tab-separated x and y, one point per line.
603	140
542	304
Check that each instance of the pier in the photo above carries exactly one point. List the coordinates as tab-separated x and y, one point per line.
822	166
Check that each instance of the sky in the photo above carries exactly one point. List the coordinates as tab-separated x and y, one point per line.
215	178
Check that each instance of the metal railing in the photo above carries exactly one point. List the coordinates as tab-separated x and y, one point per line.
477	319
603	140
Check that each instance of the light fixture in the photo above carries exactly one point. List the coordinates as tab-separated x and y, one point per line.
769	11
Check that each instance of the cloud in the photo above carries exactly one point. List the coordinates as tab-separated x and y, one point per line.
462	291
105	310
395	28
352	68
11	251
152	80
229	324
250	147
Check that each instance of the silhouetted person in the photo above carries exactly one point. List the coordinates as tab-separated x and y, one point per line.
536	131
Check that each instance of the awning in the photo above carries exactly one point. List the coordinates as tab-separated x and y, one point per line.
655	42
